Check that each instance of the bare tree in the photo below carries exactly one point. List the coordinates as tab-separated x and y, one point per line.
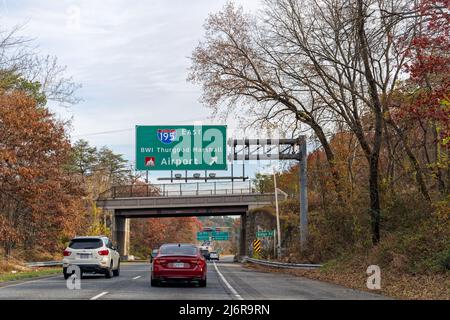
324	63
237	71
19	57
346	55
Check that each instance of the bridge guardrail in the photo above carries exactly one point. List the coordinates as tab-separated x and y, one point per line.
284	264
44	264
178	189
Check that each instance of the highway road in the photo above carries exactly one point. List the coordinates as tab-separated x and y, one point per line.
226	281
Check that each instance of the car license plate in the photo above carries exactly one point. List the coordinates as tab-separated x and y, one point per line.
178	265
85	256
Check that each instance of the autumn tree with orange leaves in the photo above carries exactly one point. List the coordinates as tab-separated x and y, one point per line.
39	201
148	234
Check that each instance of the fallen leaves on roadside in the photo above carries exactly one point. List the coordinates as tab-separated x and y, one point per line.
393	284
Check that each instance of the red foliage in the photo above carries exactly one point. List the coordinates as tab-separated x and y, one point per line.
429	66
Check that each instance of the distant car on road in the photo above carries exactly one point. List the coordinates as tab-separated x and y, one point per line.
92	255
179	262
153	254
205	253
213	255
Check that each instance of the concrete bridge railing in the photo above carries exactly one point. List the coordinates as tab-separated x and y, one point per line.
179	189
156	202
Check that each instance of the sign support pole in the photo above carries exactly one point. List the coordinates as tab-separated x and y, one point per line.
274	244
303	196
278	216
288	149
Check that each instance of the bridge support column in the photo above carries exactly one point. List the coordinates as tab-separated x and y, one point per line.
121	234
243	236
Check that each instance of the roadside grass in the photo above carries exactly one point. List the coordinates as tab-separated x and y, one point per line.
20	275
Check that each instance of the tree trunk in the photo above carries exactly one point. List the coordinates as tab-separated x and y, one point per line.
330	159
374	199
8	248
377	109
437	161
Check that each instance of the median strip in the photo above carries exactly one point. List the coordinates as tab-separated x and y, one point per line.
233	291
99	295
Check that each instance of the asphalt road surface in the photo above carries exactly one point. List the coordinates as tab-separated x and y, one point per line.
226	280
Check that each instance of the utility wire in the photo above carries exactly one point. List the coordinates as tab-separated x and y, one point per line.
129	129
101	132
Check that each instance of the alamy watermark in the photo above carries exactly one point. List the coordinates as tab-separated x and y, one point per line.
74	281
374	279
73	18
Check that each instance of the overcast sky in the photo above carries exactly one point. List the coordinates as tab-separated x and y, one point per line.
131	58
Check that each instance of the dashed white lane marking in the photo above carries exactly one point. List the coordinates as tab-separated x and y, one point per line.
99	295
135	278
233	291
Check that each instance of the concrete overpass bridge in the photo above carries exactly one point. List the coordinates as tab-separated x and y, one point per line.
180	200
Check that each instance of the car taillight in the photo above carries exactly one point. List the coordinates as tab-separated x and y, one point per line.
66	253
103	252
194	261
159	261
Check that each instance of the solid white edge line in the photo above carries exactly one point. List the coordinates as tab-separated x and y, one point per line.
25	281
99	295
135	278
233	291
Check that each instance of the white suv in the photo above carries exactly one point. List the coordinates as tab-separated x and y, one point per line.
92	255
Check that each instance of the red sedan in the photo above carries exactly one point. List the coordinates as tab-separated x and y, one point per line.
178	262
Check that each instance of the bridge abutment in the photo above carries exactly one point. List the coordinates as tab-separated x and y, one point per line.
121	234
243	236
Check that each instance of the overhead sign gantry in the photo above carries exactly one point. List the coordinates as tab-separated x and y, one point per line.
198	147
279	149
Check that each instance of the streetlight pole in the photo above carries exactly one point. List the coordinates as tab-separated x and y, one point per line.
278	217
274	243
303	196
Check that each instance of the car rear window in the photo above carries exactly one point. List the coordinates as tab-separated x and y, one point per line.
178	250
85	243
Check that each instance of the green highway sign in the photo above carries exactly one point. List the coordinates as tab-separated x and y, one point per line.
203	236
264	234
220	235
213	235
178	147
